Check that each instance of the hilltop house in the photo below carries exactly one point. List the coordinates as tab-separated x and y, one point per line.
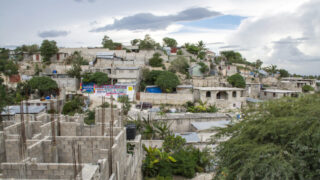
277	93
222	97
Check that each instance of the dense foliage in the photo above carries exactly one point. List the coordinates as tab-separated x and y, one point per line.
237	80
156	60
307	88
175	158
167	81
204	68
45	86
200	107
234	57
108	43
284	73
73	106
276	140
180	64
170	42
90	117
147	43
98	78
48	49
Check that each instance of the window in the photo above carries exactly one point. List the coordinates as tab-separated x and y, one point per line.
58	57
274	94
234	94
222	95
208	94
265	93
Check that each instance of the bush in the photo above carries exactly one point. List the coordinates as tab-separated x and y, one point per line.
73	106
167	81
307	88
173	143
98	78
180	64
186	163
90	118
45	85
237	80
156	61
204	68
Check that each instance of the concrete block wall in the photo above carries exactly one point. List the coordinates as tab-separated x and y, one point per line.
38	171
35	151
164	98
98	114
2	148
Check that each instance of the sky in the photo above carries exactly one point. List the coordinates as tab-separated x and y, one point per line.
281	32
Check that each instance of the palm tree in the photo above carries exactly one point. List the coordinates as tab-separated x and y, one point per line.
201	45
272	69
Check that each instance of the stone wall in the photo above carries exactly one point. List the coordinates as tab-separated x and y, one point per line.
38	171
164	98
2	148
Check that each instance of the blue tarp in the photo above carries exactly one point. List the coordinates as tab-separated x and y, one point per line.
153	90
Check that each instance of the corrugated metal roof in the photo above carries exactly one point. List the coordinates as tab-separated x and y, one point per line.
211	124
218	88
279	91
127	68
254	100
189	136
105	55
12	110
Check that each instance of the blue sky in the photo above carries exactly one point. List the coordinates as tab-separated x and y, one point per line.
249	26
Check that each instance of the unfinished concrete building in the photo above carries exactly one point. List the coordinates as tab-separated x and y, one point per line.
63	147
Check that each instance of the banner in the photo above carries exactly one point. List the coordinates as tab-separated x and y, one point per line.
87	88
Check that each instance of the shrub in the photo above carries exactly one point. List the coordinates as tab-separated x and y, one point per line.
204	68
44	85
73	106
90	118
180	64
307	88
173	143
156	60
98	78
237	80
167	81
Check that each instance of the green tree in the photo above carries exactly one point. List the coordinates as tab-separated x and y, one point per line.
43	85
76	58
204	68
237	80
192	48
277	139
75	71
179	52
107	42
10	68
147	43
48	49
180	64
307	88
258	64
98	78
135	42
170	42
90	117
73	106
284	73
272	69
173	143
167	81
156	60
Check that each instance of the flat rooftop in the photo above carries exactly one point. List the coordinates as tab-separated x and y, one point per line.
218	89
279	91
211	124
